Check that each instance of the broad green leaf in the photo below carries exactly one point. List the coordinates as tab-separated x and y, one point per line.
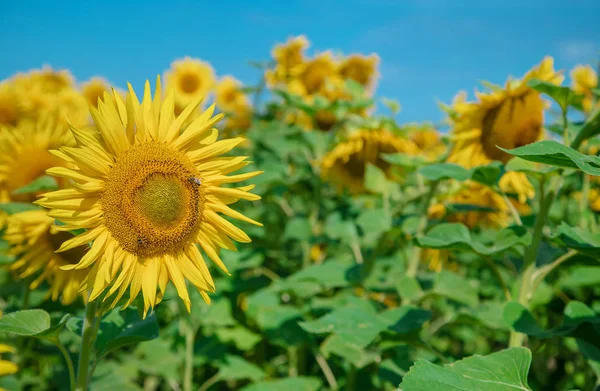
455	287
375	180
590	128
405	319
343	230
456	236
506	370
329	274
300	383
17	207
440	171
561	95
110	376
357	356
241	337
408	288
581	276
578	239
556	154
489	314
357	325
119	328
41	184
236	368
489	174
217	314
374	222
298	228
404	159
32	323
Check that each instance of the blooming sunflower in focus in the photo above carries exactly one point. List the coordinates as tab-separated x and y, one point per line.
147	193
346	164
6	367
94	89
507	117
361	69
583	80
34	242
288	57
190	79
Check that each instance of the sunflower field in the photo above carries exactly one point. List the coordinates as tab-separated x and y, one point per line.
205	235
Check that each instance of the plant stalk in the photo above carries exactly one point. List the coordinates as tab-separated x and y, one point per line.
188	375
413	262
87	346
69	362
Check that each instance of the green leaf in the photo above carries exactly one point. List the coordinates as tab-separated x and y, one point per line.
329	274
556	154
456	236
298	228
375	180
119	328
357	356
590	128
506	370
392	104
406	319
300	383
236	368
561	95
374	222
241	337
344	230
578	239
17	207
41	184
489	174
32	323
437	172
408	288
357	325
455	287
581	276
404	159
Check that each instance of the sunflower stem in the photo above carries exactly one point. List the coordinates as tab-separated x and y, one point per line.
87	345
190	339
69	362
526	289
413	262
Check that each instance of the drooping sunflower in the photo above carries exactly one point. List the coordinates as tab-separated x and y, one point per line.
94	89
315	74
189	79
361	69
346	164
7	367
583	80
33	242
288	57
25	156
148	193
507	117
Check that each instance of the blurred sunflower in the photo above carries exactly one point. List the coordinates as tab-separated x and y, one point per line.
6	367
315	74
94	89
230	98
583	80
361	69
25	156
288	57
34	242
346	164
594	199
508	117
428	141
10	112
47	80
190	79
436	260
147	193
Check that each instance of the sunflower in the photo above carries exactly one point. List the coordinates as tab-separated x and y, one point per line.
46	80
427	140
34	242
7	367
10	112
436	260
507	117
94	89
229	95
190	79
346	164
315	74
361	69
148	193
583	80
288	57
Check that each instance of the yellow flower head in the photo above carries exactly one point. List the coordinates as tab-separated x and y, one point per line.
436	260
427	140
507	117
361	69
583	80
346	164
190	79
148	192
46	80
7	367
34	242
317	72
94	89
10	111
288	57
229	95
25	155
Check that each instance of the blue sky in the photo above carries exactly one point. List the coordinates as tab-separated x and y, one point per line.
429	49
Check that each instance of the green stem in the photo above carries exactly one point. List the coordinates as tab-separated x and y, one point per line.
188	376
415	259
331	380
526	288
69	362
87	345
210	382
583	204
513	211
351	378
293	361
498	275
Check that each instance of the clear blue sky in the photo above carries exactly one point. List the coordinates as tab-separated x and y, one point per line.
430	49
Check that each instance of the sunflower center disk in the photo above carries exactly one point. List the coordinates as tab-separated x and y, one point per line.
153	203
189	83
